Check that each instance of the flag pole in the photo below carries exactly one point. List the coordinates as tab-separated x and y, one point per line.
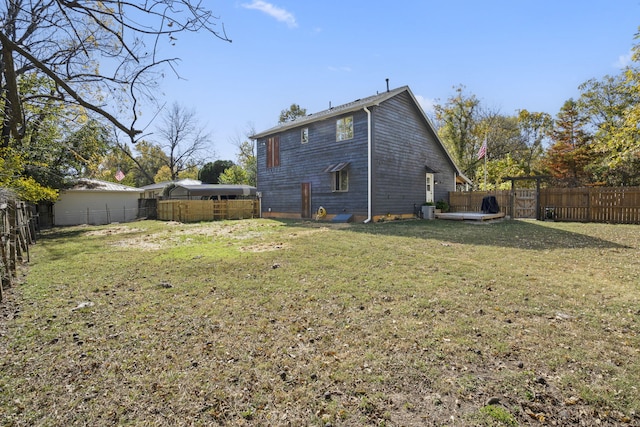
483	153
485	163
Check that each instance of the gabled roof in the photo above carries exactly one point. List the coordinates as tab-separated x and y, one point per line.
87	184
356	105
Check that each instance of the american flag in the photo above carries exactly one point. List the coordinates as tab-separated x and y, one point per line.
119	175
483	150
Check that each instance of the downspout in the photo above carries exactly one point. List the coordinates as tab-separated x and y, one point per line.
369	185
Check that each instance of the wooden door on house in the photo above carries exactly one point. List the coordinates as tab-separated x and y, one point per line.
306	199
525	203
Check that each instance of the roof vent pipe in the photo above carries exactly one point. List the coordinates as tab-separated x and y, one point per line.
387	84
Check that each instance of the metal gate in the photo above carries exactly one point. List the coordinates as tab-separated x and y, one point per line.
525	203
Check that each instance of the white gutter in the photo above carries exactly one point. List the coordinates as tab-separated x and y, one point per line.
369	185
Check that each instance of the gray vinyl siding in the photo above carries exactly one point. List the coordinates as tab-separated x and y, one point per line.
299	163
403	146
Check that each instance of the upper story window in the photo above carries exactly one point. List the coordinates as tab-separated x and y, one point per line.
273	151
304	135
344	128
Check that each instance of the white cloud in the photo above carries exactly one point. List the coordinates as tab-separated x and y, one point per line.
276	12
426	104
624	60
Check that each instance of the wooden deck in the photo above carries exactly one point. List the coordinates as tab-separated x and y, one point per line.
470	216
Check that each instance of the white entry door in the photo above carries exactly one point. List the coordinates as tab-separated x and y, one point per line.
429	188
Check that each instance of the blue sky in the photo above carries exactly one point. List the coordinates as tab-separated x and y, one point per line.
511	54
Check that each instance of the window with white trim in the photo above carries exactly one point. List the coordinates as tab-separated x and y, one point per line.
340	181
304	135
344	128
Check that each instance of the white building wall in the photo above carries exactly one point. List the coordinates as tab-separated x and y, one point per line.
95	207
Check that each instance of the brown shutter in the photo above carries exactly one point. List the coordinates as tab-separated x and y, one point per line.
269	153
276	151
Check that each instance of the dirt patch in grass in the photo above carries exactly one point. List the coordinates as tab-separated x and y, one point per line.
112	230
399	324
150	243
263	247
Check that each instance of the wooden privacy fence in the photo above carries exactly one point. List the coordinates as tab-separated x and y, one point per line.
619	205
207	210
17	232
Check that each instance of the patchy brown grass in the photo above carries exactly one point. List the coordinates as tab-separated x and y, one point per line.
262	322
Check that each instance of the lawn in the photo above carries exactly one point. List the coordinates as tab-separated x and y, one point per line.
275	323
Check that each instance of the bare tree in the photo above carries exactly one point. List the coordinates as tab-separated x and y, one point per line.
182	139
103	57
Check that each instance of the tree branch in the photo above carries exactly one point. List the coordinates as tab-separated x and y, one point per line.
8	44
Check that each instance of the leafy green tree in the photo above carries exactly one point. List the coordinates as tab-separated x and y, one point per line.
117	160
142	165
464	125
57	143
207	173
164	174
25	187
150	159
534	131
458	127
217	168
498	169
502	134
605	101
292	113
190	172
236	174
612	104
247	161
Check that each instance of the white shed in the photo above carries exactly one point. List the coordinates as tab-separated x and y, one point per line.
95	202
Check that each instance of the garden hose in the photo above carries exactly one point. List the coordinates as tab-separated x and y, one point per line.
322	212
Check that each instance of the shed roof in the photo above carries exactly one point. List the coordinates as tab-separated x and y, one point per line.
87	184
217	190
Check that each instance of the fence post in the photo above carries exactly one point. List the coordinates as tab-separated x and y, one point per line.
13	239
22	245
5	279
539	209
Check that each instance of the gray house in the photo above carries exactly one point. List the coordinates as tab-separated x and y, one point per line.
372	158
